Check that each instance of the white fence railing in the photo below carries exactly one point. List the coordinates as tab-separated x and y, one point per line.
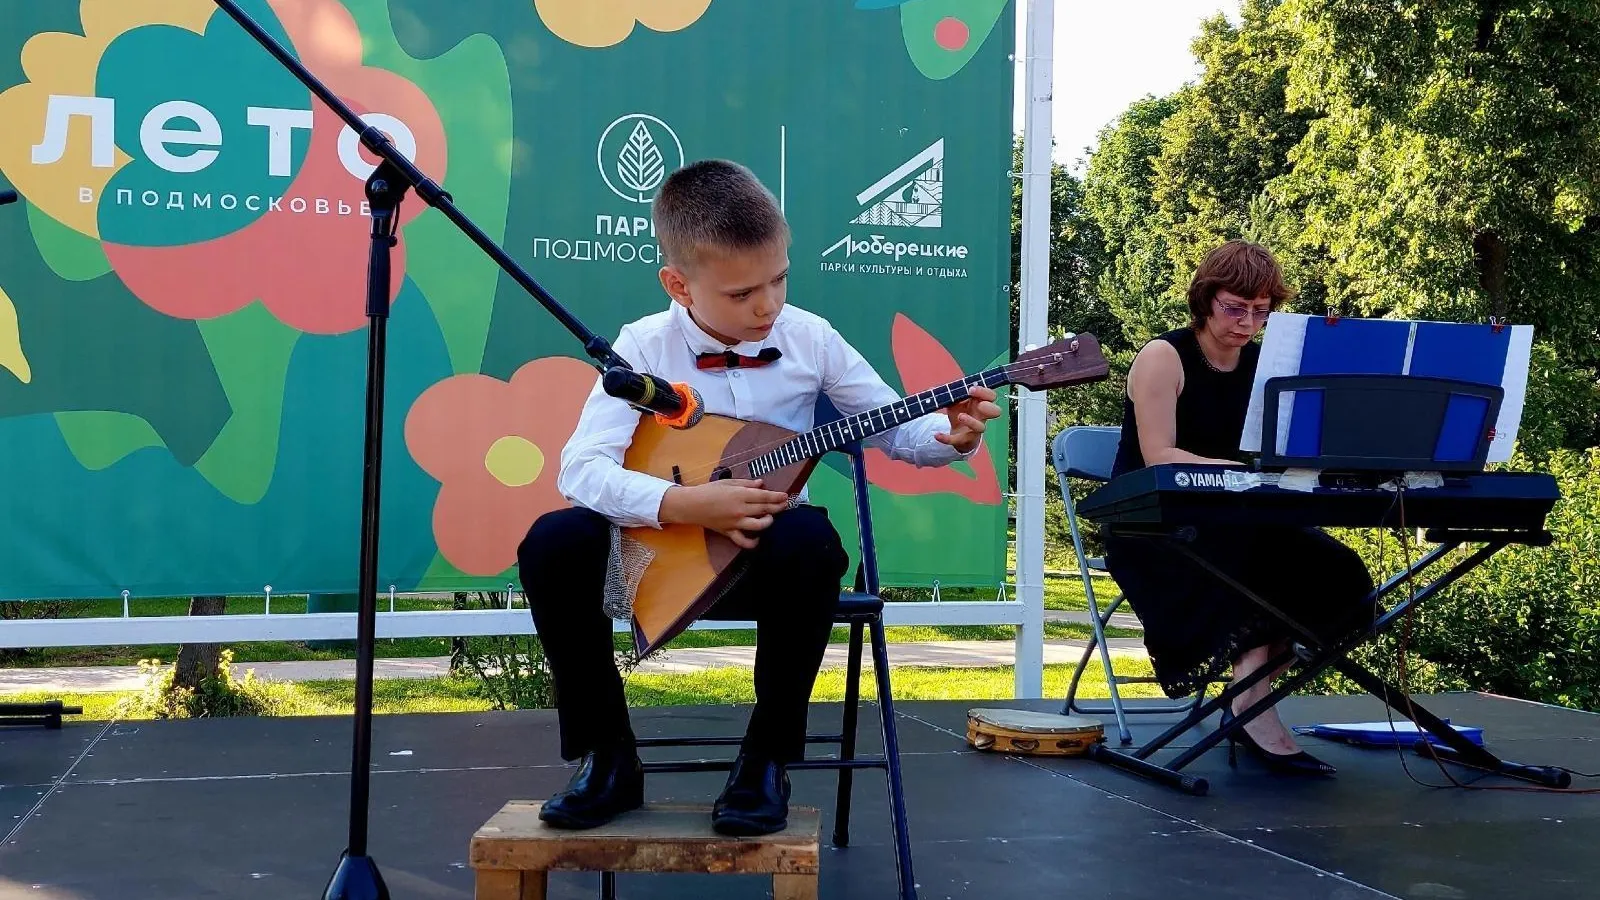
132	630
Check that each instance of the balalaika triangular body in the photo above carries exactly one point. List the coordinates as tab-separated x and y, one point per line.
689	567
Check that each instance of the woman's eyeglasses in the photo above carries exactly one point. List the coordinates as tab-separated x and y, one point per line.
1238	313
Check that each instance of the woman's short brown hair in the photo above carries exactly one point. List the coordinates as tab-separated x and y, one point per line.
1238	267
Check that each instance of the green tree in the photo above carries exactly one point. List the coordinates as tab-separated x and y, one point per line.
1229	137
1422	158
1450	171
1075	258
1175	176
1136	269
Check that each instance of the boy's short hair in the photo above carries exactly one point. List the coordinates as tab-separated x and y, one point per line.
715	205
1239	267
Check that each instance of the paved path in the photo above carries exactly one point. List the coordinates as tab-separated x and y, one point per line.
85	679
1081	617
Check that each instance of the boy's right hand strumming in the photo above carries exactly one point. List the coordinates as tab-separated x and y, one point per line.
733	506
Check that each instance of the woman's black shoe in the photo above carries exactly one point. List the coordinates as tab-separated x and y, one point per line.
1301	763
606	785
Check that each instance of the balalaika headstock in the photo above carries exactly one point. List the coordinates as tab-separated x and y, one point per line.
1073	360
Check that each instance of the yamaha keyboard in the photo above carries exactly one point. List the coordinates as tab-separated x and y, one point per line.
1179	494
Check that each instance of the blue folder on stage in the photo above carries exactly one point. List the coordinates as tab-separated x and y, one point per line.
1400	733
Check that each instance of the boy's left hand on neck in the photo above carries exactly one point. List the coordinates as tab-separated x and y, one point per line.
967	419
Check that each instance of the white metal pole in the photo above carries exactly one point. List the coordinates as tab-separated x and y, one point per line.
1033	332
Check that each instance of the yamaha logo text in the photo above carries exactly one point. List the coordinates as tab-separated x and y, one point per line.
1199	479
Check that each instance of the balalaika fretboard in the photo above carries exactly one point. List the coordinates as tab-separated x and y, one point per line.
841	432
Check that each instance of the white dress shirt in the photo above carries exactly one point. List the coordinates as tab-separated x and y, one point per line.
816	360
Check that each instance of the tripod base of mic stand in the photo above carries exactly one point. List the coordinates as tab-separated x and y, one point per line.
356	878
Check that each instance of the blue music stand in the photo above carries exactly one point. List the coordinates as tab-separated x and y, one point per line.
1412	363
1389	424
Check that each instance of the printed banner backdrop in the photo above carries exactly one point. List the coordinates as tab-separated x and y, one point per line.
182	318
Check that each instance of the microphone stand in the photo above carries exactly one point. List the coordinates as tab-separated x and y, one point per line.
357	876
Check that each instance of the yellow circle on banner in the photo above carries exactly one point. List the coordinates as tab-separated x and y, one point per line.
514	461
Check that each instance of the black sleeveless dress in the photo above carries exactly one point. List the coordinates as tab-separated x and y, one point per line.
1194	625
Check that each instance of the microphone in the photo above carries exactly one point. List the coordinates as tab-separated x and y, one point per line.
7	197
677	405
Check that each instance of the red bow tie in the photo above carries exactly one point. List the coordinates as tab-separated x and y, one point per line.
732	360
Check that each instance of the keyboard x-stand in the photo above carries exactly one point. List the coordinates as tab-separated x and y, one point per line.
1457	508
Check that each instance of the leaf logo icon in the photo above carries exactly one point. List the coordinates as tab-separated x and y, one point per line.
639	165
635	154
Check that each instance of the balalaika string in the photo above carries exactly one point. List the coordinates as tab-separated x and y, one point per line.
816	436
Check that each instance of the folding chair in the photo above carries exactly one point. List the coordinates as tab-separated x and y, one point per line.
860	608
1087	452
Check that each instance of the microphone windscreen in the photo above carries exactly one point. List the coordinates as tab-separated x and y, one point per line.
697	407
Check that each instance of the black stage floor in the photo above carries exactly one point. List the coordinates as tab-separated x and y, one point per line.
244	808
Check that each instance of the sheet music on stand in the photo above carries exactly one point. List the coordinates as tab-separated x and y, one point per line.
1298	344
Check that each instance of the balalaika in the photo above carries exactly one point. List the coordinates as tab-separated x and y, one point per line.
681	570
1180	494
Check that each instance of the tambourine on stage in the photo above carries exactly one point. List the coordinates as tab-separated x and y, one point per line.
1026	732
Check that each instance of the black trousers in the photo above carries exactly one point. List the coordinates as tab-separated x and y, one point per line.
791	591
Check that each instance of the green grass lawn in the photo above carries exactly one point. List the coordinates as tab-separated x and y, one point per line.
1060	594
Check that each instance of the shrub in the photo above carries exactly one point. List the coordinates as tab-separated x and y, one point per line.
219	694
1528	624
1524	624
511	669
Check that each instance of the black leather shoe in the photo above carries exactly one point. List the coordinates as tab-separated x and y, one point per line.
606	785
755	800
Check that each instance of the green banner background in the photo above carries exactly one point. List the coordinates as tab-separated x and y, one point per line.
182	334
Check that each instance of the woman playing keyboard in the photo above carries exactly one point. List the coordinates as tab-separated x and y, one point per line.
1188	392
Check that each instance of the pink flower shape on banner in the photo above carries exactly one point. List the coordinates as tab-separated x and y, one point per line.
494	447
924	363
307	265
